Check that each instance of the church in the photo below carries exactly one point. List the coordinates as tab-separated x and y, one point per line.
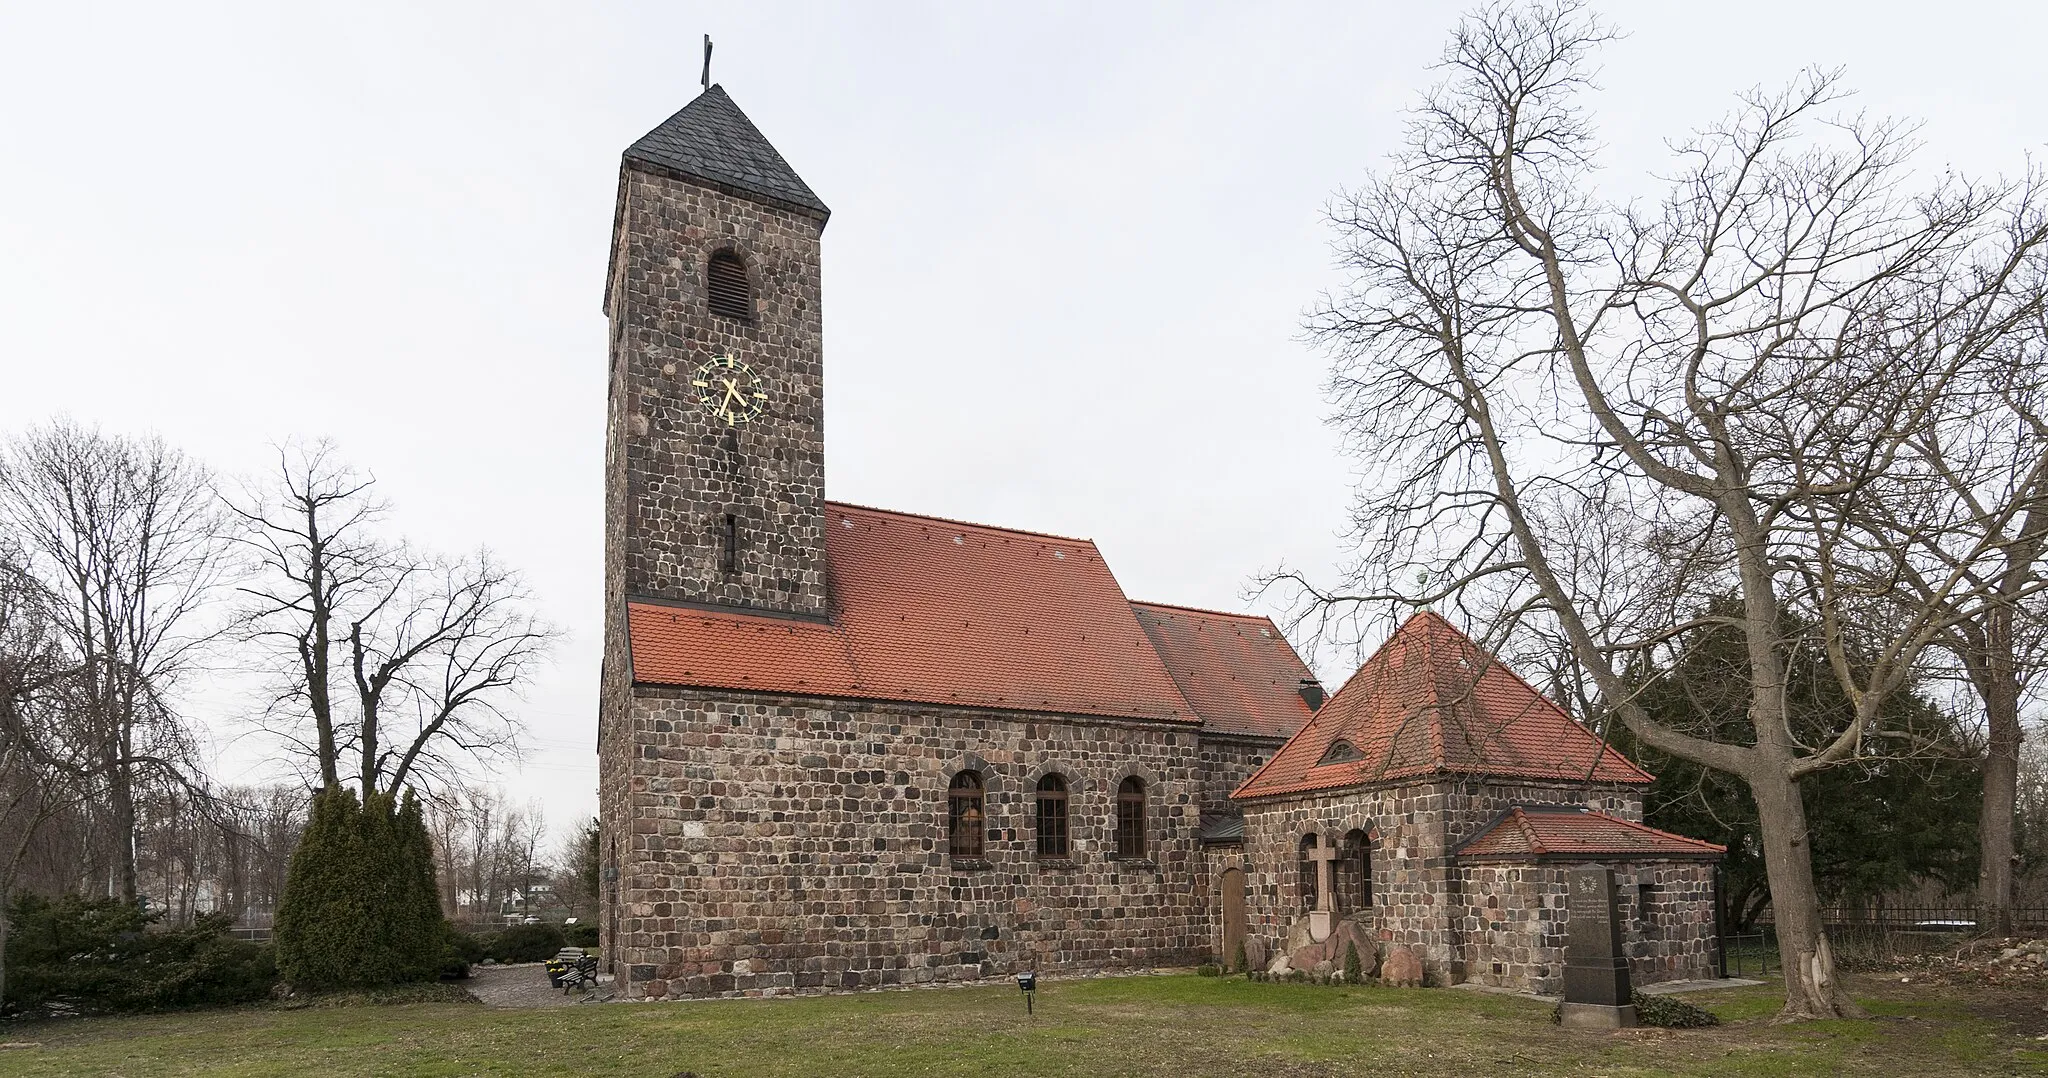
845	747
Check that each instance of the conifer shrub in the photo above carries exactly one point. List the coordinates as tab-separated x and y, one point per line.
89	955
525	943
580	935
360	909
1353	971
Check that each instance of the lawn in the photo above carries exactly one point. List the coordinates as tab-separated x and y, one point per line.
1178	1026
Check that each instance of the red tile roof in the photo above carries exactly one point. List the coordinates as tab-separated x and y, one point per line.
1430	701
934	611
1543	831
1236	670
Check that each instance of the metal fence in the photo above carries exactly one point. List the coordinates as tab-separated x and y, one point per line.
1866	935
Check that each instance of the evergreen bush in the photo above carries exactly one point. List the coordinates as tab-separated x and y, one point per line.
526	943
103	954
1670	1012
580	935
1353	971
459	951
360	908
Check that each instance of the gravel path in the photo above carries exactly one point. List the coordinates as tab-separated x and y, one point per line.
523	986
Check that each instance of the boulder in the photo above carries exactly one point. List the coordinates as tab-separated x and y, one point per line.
1254	952
1402	968
1298	939
1281	967
1350	935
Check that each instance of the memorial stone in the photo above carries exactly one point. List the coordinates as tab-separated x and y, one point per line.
1596	987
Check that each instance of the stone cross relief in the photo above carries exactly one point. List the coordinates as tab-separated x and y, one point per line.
1323	917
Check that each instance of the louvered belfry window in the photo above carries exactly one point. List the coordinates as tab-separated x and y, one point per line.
731	295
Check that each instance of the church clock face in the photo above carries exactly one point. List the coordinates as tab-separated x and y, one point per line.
729	390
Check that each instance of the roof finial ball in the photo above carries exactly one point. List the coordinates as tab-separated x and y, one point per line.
707	61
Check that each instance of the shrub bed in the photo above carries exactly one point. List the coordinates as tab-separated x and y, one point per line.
88	955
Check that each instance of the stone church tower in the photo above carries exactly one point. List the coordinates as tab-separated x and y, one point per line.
715	453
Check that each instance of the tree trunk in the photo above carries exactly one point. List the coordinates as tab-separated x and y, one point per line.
1812	989
1999	688
121	804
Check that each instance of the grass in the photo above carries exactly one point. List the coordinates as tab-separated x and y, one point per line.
1178	1026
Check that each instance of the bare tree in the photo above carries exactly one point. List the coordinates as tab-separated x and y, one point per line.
43	770
1602	419
393	665
122	534
1989	448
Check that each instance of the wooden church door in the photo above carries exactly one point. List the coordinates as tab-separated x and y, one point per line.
1233	915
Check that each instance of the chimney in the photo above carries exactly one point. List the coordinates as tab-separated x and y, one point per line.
1312	693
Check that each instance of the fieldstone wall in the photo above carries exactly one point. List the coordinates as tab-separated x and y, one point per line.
1462	920
1410	864
1482	801
1670	933
1227	761
1214	860
773	844
680	470
1514	922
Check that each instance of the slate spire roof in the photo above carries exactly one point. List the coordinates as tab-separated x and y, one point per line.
712	141
1429	702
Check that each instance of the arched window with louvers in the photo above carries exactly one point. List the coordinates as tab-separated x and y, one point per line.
725	280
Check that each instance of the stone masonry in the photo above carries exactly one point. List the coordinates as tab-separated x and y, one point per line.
1499	924
786	844
759	841
673	470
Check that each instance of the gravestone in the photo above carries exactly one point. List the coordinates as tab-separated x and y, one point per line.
1596	988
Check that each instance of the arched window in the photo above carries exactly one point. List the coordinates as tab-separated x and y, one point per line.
1052	816
964	818
726	280
1130	818
1354	872
1307	868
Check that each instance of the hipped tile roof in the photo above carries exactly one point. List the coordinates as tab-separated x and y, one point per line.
1429	701
1235	670
934	611
1552	832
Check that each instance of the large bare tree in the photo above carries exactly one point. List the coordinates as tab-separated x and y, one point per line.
393	668
122	534
1989	447
44	769
1632	425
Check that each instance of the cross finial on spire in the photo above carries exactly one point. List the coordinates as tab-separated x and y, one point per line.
707	61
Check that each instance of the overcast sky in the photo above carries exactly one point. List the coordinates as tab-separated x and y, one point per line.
1069	249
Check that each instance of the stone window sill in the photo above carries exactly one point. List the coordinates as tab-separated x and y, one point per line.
1058	864
1135	862
969	864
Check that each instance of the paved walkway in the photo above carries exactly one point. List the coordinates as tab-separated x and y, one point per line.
523	986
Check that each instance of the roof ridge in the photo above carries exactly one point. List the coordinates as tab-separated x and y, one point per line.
1207	610
1433	727
829	505
1528	832
1656	830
